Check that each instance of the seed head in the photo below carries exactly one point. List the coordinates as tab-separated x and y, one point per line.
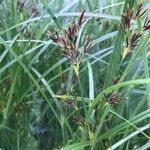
68	42
131	43
113	98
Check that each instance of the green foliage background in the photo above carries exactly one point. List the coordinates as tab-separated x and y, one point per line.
36	80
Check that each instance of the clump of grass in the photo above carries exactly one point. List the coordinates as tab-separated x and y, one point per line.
47	101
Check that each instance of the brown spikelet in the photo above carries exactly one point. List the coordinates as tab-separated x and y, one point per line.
81	19
139	12
135	39
131	42
146	25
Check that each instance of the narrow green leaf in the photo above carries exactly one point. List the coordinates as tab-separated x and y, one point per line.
145	147
91	82
113	147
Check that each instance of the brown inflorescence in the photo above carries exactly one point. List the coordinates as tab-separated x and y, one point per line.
132	41
68	41
113	98
131	36
127	16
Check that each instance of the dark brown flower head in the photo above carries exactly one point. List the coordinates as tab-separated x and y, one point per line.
127	16
68	42
72	32
113	98
81	19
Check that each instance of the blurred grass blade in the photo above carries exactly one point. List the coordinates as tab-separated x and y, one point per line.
116	145
77	146
131	124
29	74
52	14
145	147
91	82
9	129
99	127
6	50
116	130
10	98
43	81
1	1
